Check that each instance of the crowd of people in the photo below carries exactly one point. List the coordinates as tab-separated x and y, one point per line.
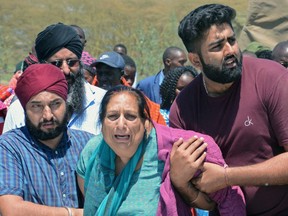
82	136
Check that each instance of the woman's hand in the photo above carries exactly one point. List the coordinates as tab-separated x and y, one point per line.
186	158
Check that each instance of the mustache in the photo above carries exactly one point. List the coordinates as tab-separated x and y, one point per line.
70	76
53	121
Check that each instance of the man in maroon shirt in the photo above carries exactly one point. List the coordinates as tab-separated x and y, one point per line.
240	102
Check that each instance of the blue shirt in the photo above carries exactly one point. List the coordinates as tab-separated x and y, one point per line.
86	120
150	86
38	174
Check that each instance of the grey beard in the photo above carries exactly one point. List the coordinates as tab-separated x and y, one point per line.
76	95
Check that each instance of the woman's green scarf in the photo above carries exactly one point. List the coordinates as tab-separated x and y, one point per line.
118	189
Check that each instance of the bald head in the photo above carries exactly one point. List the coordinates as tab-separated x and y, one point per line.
280	53
173	57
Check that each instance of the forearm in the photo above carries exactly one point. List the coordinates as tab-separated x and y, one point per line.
195	198
11	207
270	172
80	182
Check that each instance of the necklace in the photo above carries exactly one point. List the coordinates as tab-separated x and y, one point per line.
204	84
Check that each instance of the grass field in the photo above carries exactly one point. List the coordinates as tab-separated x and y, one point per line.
145	27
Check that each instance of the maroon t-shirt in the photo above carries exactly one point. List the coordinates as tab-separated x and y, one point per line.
249	123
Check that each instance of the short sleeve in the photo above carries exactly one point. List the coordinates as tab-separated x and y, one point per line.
86	154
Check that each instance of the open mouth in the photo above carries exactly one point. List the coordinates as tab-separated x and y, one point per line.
122	137
231	62
48	124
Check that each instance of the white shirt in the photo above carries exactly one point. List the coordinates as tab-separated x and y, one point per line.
87	120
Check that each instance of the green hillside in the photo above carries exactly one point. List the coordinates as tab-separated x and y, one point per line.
145	27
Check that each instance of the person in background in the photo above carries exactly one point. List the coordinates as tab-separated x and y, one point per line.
125	169
242	103
16	75
38	160
256	47
129	70
60	45
121	49
280	53
110	69
7	93
265	54
80	32
88	71
150	86
175	80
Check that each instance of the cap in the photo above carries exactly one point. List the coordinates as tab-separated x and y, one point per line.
256	46
112	59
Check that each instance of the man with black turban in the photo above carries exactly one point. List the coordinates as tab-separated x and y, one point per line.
60	45
37	171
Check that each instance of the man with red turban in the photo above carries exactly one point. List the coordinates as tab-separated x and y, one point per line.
60	45
38	160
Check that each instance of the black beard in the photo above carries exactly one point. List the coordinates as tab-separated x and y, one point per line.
76	94
36	132
224	75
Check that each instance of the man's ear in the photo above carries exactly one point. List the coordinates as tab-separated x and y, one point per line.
168	62
195	60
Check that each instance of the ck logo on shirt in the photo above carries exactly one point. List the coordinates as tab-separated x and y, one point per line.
248	122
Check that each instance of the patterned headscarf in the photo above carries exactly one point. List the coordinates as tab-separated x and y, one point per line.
87	60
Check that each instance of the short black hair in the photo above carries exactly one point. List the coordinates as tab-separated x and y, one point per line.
121	46
265	54
170	52
193	26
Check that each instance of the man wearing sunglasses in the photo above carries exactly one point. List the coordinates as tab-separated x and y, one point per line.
60	45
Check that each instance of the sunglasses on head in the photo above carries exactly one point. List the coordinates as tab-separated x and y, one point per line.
70	62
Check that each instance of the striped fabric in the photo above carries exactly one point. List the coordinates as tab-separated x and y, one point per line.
37	173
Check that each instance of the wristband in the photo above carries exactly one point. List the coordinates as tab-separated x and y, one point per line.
69	211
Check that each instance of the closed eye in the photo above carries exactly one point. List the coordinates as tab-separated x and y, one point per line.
130	117
113	117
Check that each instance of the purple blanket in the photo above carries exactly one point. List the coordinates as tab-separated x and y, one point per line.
230	200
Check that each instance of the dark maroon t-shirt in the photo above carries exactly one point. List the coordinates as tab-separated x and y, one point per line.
249	123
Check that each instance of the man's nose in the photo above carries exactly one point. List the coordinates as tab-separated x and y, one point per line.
47	113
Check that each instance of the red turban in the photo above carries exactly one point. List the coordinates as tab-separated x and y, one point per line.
38	78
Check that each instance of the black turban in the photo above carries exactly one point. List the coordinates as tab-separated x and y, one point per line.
56	37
